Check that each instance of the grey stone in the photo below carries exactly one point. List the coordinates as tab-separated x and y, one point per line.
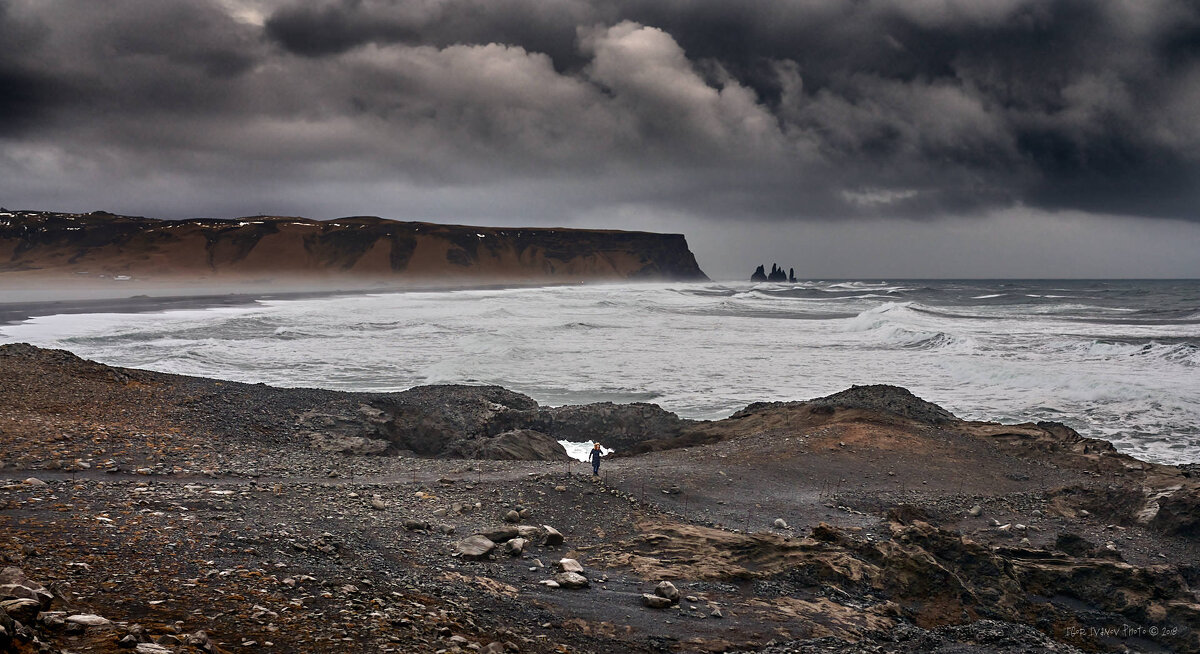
501	534
668	590
780	523
474	547
22	610
655	601
569	565
571	580
89	620
15	585
553	537
515	547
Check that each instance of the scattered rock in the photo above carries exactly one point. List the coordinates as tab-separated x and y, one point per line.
474	547
515	547
22	610
656	601
553	537
667	590
15	585
89	620
569	565
501	534
571	580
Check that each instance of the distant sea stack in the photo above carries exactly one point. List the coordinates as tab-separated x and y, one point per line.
36	244
776	275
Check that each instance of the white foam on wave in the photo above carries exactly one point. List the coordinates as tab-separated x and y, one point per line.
701	350
582	451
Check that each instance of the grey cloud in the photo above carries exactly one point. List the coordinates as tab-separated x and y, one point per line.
813	109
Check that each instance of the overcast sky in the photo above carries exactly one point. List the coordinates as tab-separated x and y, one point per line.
845	138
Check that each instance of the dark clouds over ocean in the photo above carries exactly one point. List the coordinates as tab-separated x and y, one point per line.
536	109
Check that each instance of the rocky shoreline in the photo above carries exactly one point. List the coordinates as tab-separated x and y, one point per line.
148	512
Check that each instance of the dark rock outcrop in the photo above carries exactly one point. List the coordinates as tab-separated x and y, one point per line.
617	426
881	398
431	420
776	275
515	445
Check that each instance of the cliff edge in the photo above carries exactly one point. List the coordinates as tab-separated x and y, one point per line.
35	243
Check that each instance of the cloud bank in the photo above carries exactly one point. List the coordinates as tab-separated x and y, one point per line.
540	110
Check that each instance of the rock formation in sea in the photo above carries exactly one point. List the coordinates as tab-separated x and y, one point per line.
46	244
776	275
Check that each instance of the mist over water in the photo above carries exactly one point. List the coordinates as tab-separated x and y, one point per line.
1118	360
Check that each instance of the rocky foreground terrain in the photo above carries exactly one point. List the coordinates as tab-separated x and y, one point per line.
152	513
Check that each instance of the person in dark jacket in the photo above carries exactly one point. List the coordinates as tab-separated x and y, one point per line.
595	457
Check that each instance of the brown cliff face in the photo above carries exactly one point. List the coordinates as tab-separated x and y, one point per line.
265	247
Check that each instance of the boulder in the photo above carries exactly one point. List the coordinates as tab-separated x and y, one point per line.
15	585
529	532
22	610
655	601
667	590
553	537
780	523
152	648
501	534
416	525
569	565
515	547
474	547
88	620
512	516
571	580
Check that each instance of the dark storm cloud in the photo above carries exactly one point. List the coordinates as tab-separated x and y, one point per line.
802	108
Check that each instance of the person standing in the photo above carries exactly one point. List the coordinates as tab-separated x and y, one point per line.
595	456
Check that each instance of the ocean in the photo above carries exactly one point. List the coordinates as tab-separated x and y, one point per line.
1118	360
